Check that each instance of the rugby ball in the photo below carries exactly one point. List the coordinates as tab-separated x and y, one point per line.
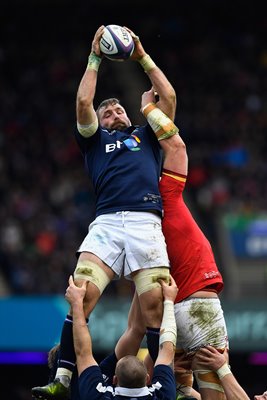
116	43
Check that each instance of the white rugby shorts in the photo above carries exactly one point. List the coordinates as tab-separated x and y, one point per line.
200	321
127	241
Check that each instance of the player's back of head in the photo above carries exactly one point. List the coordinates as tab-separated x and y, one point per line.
131	372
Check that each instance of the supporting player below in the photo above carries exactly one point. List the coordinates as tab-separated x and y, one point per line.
131	376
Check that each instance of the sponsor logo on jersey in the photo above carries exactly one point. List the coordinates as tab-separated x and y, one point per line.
131	143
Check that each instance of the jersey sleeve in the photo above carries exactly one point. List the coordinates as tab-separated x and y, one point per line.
163	382
92	385
107	367
85	143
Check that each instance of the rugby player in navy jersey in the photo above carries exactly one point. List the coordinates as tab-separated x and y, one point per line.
131	377
123	162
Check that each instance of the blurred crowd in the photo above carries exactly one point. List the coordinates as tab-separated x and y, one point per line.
218	67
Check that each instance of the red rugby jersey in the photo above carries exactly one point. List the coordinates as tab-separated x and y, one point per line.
192	261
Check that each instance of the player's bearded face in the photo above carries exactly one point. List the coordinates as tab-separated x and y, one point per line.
114	117
120	124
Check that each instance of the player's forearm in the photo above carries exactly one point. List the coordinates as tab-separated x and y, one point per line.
86	92
232	389
161	85
87	88
165	91
175	154
81	335
167	340
230	385
161	124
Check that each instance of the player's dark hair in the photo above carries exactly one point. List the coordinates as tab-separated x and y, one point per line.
112	101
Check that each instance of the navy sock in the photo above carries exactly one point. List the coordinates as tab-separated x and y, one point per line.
67	357
152	339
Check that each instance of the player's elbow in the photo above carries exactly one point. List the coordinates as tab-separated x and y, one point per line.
83	103
172	97
177	145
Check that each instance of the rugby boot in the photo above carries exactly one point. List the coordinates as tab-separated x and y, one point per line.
54	390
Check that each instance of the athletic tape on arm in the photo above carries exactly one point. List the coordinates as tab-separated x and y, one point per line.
159	122
88	130
147	63
93	61
224	370
168	330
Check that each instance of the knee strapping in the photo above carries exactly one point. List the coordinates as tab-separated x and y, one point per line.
148	279
207	379
92	272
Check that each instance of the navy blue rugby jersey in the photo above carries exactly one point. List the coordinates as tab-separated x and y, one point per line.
124	168
93	387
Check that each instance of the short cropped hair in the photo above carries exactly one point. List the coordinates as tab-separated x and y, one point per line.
112	101
131	372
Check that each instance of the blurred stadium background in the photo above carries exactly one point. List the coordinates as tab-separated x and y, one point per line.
215	54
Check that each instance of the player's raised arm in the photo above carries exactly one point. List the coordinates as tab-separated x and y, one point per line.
81	335
168	330
87	122
159	81
175	155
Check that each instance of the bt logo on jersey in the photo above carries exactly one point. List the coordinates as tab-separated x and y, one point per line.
112	146
131	143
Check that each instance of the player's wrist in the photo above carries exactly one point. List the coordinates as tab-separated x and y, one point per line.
147	108
168	301
223	371
93	61
147	63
